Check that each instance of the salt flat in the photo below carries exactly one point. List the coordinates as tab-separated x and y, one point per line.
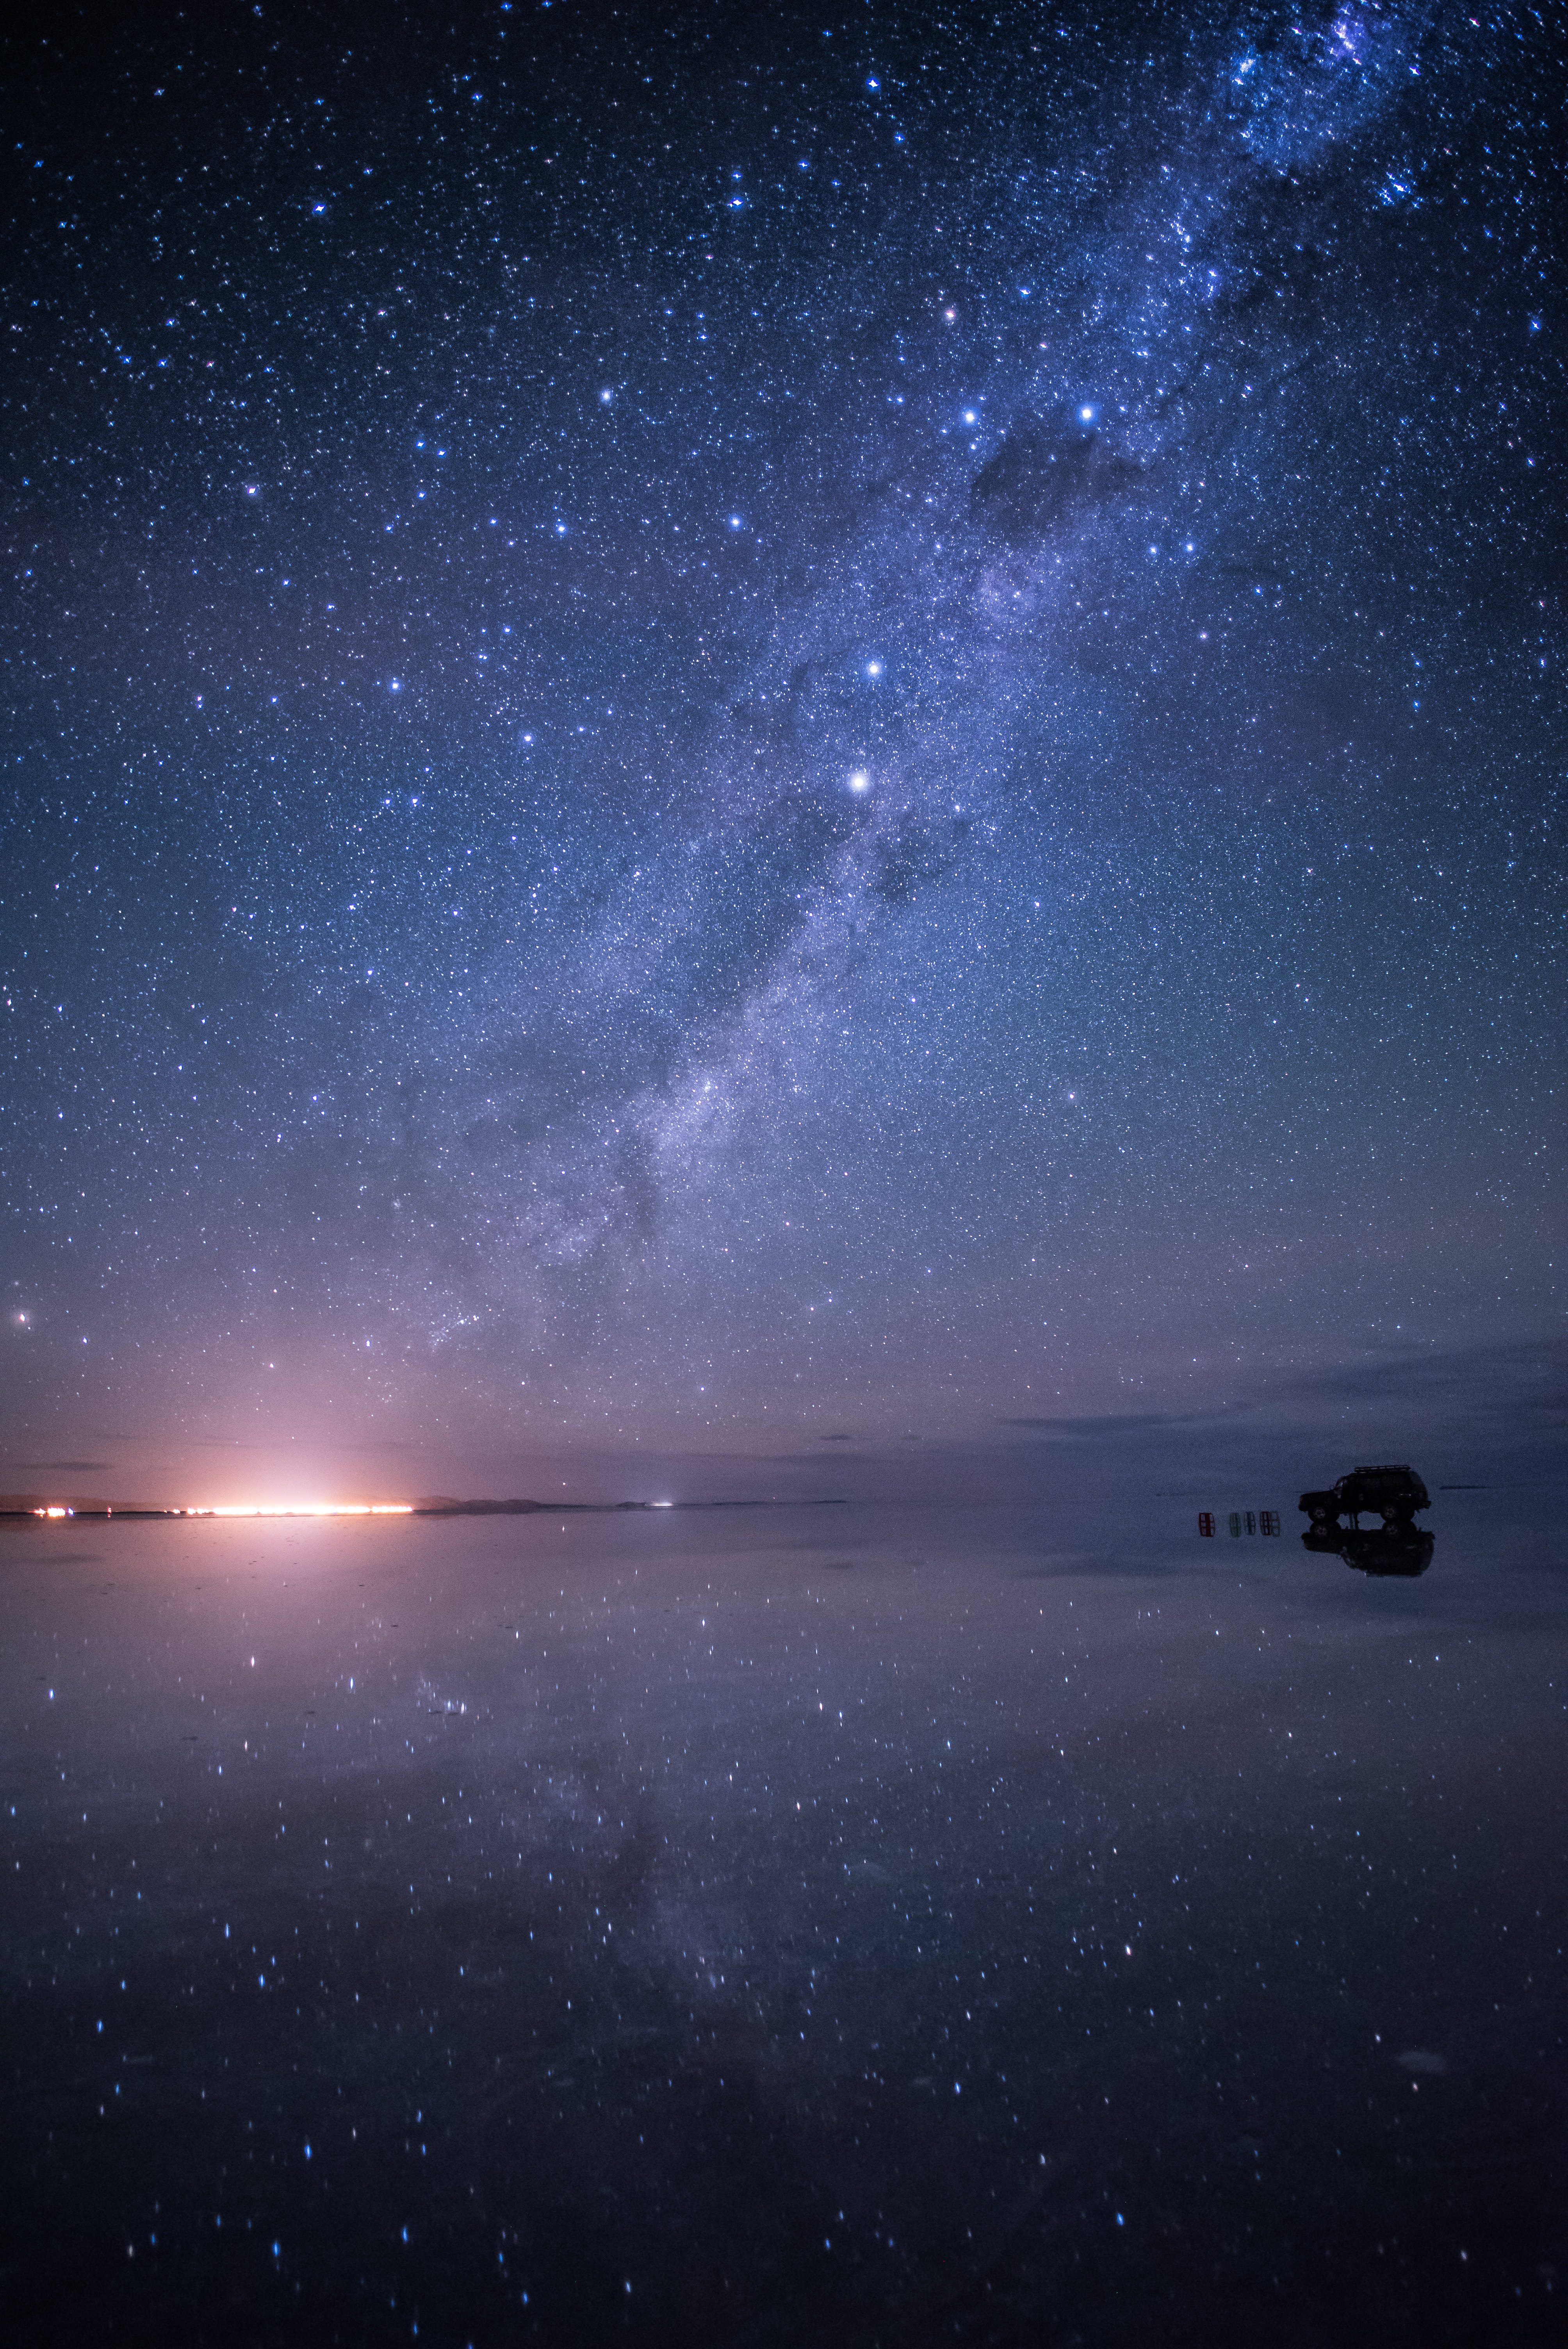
864	1923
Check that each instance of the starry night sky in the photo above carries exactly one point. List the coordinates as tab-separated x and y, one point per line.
735	727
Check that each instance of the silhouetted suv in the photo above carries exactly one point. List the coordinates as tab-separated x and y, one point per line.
1395	1492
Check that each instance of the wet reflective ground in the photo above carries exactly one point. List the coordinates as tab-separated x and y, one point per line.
835	1925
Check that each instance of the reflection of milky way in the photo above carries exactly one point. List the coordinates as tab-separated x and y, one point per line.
865	727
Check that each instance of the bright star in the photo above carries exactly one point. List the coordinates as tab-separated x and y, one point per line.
859	781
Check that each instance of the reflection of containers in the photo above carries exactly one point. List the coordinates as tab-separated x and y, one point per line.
1240	1521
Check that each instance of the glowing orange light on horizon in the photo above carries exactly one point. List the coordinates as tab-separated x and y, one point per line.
310	1509
250	1509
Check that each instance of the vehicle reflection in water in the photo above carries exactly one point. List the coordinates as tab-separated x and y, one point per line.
1398	1548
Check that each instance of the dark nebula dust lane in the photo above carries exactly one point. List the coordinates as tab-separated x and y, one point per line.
726	728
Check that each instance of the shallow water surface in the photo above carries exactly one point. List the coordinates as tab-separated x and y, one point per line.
843	1923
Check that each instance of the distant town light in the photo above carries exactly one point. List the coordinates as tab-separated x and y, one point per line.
313	1509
